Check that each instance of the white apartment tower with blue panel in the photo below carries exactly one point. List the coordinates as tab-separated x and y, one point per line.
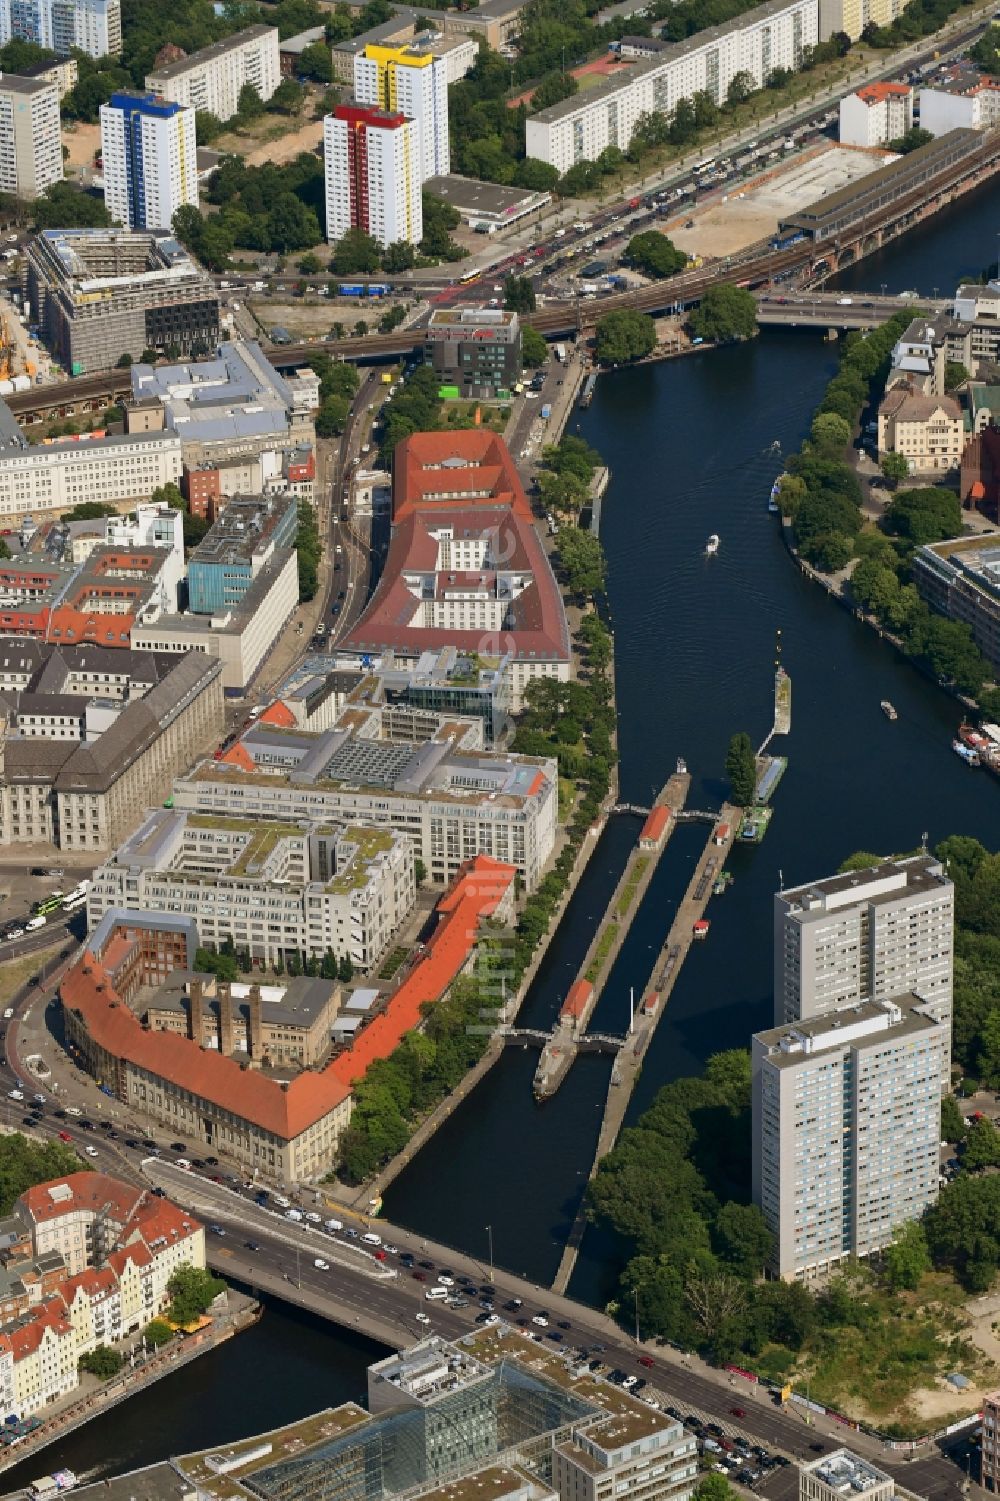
149	150
91	26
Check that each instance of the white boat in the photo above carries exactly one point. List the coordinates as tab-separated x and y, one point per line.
889	710
712	545
968	755
772	504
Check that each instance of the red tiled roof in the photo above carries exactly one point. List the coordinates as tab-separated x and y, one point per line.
655	824
69	625
284	1111
95	1191
238	755
875	93
478	891
278	714
577	999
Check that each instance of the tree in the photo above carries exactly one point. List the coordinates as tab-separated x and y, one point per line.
63	206
207	127
955	375
534	350
924	516
552	89
519	294
345	969
331	418
952	1120
223	965
830	434
713	1487
982	1146
356	252
895	467
169	495
653	253
439	219
907	1259
316	63
724	315
249	104
399	256
191	1290
743	1239
310	264
102	1362
741	769
740	89
829	552
157	1332
123	362
89	510
286	99
623	336
582	559
913	139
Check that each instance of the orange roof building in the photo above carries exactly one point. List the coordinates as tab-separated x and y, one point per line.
285	1129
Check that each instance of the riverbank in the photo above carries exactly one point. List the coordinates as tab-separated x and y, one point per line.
74	1411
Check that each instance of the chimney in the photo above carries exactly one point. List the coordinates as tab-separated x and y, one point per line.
225	996
196	1011
255	1031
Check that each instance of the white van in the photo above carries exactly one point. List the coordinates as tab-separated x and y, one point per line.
293	1214
433	1293
371	1239
333	1225
281	1201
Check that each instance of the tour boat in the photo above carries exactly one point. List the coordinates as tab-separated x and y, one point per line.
772	504
968	755
712	545
889	709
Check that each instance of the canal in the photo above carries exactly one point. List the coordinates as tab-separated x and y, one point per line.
690	448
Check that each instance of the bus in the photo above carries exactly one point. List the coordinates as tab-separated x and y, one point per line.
74	903
48	904
468	276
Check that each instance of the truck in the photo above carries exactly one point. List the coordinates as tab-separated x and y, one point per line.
546	411
561	353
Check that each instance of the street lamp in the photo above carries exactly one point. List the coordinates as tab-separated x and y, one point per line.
489	1232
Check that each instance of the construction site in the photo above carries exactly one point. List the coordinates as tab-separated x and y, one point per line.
19	354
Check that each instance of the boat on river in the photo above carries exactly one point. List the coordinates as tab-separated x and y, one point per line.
965	753
889	710
712	545
772	504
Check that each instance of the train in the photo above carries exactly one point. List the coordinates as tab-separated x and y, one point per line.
363	289
786	240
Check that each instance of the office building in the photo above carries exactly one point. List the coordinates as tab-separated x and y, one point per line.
773	35
210	1082
461	519
372	168
476	350
271	889
148	148
30	143
283	1024
928	431
91	26
212	78
989	1449
843	1474
102	293
876	114
92	736
960	97
452	800
448	682
960	579
868	934
239	544
113	468
414	84
846	1111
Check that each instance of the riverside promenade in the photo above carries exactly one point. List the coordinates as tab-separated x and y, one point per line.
664	976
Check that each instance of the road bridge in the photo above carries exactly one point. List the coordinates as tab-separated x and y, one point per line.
814	309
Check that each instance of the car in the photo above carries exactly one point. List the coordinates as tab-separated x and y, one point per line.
647	1361
15	1094
65	1136
379	1255
90	1151
423	1318
487	1319
445	1280
148	1143
324	1266
540	1320
105	1125
420	1276
488	1290
782	1460
459	1302
818	1448
75	1110
314	1218
41	1098
564	1324
60	1115
28	1120
554	1334
211	1161
512	1305
216	1230
252	1245
738	1412
177	1146
85	1125
185	1163
391	1250
161	1193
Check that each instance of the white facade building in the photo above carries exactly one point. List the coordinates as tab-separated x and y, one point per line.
846	1115
877	114
148	148
413	84
867	934
771	36
212	78
114	469
91	26
373	174
30	143
962	98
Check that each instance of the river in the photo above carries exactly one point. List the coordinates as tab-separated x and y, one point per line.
689	445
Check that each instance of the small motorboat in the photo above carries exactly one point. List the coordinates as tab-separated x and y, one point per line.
889	710
966	752
712	545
